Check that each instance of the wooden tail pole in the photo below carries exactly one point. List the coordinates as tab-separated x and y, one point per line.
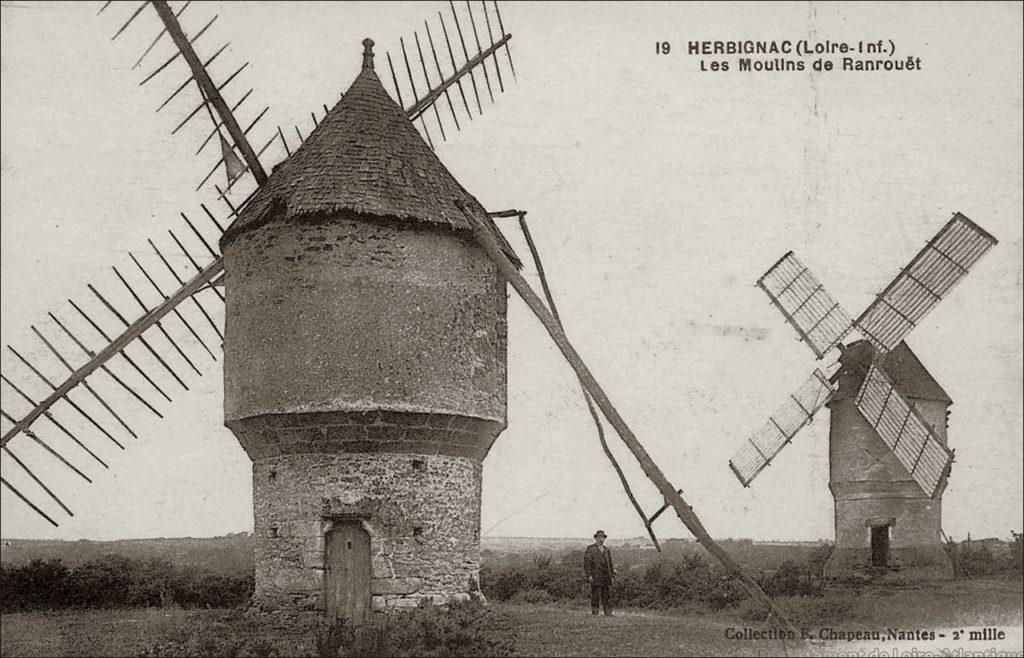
586	396
650	469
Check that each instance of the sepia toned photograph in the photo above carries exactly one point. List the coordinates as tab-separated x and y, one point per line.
511	328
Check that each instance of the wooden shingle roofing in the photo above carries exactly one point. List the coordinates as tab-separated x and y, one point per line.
364	158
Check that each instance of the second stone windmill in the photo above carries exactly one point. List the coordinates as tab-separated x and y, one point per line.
889	458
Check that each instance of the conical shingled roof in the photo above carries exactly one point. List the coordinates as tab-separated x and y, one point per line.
365	157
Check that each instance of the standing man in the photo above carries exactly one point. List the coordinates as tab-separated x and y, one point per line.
597	565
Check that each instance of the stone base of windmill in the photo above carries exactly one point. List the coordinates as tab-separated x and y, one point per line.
399	531
904	564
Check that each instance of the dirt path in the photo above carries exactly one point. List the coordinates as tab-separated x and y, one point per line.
562	631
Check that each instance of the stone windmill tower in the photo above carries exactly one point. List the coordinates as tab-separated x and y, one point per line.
365	350
883	518
364	335
888	454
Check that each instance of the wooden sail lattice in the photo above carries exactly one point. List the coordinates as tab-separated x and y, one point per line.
903	430
818	318
922	284
429	76
761	448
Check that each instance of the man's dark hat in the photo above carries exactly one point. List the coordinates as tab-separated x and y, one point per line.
600	533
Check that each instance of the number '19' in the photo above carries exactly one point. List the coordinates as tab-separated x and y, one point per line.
662	47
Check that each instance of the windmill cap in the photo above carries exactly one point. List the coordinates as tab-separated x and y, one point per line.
901	365
364	160
368	53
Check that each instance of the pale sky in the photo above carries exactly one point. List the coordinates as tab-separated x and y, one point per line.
657	193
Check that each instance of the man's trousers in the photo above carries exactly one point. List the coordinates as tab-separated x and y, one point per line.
600	597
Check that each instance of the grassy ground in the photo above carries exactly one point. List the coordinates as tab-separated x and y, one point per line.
570	630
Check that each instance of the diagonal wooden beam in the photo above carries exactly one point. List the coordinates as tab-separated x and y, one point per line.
672	497
170	21
586	396
424	103
194	285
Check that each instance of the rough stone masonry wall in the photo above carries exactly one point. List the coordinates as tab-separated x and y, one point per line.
365	366
871	487
422	513
351	315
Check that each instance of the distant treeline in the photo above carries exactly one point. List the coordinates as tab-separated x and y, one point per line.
230	555
116	581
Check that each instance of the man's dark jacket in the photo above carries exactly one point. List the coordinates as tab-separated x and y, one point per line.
597	565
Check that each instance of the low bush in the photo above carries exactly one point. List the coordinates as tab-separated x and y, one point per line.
115	581
791	579
679	580
976	558
670	580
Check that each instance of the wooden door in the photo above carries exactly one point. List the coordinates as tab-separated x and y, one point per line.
879	545
347	571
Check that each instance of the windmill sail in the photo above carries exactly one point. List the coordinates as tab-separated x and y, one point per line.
759	450
445	75
817	317
922	284
151	348
904	431
212	95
